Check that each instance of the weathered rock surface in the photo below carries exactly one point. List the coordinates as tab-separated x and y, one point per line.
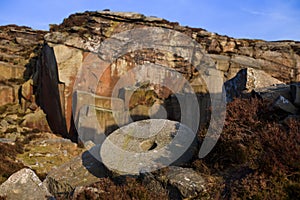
148	145
247	80
85	30
80	171
19	47
46	151
22	185
36	120
7	94
19	44
271	93
75	43
188	182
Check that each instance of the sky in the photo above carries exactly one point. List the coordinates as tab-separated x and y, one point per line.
257	19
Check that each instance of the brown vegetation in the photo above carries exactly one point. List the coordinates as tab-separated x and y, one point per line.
8	160
106	189
257	153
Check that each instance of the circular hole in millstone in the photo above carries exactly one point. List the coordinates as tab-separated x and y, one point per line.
148	145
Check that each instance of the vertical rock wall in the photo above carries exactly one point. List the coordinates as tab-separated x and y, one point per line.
48	91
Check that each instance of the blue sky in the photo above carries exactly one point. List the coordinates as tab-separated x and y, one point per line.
260	19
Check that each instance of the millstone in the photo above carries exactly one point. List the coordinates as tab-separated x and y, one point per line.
148	145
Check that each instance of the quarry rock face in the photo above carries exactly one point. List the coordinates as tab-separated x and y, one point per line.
74	45
19	46
73	48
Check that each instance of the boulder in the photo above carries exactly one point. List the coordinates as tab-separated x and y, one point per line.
24	184
3	125
27	97
229	47
214	46
80	171
69	61
246	80
189	183
260	79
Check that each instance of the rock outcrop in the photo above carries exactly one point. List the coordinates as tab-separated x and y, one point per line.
75	43
19	46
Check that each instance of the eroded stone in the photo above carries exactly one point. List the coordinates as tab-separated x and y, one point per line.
24	184
148	145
